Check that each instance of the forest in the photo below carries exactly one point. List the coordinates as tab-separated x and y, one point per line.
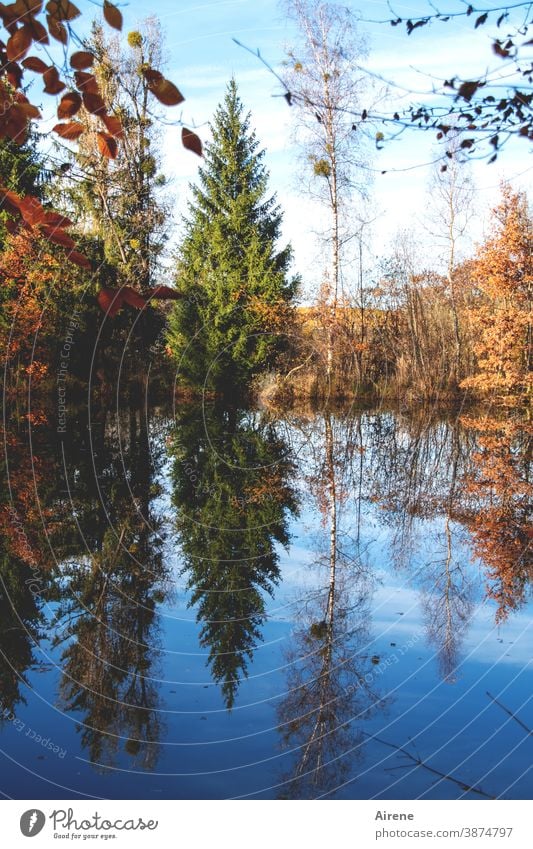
186	416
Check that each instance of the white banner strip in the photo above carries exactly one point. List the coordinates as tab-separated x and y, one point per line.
264	824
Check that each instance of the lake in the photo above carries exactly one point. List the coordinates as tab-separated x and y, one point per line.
212	602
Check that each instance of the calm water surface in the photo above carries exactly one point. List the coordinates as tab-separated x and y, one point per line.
214	603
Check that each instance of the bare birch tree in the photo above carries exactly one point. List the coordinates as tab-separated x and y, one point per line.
451	208
325	82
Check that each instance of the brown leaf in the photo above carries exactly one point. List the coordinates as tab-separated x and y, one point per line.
112	15
79	259
33	63
53	85
86	82
9	14
468	89
19	43
69	105
38	32
113	125
110	301
30	111
22	7
163	293
107	145
152	76
191	141
57	30
16	126
499	50
133	298
57	236
55	219
71	131
81	59
13	72
93	103
32	210
62	10
166	92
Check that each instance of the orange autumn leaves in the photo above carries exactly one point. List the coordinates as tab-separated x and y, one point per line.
20	19
29	274
33	217
31	22
502	313
501	529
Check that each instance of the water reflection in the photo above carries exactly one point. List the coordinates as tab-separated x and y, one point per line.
499	483
330	686
112	578
102	529
22	627
233	497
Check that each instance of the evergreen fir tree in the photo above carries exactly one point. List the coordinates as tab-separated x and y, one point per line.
231	322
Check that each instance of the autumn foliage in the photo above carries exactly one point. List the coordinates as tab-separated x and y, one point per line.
31	275
501	528
27	24
501	315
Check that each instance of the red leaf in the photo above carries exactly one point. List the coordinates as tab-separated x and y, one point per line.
58	236
81	60
107	145
113	125
32	210
57	30
62	10
110	301
86	82
152	76
166	92
19	43
112	15
69	105
28	109
33	63
133	298
79	259
53	85
14	73
164	293
94	103
11	226
38	32
9	14
16	126
70	131
191	141
54	219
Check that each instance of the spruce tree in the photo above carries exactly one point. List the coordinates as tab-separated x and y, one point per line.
235	280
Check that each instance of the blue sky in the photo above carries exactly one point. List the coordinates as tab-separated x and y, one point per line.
202	56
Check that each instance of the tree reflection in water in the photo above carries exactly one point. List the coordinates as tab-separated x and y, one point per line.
112	579
451	497
330	687
233	497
